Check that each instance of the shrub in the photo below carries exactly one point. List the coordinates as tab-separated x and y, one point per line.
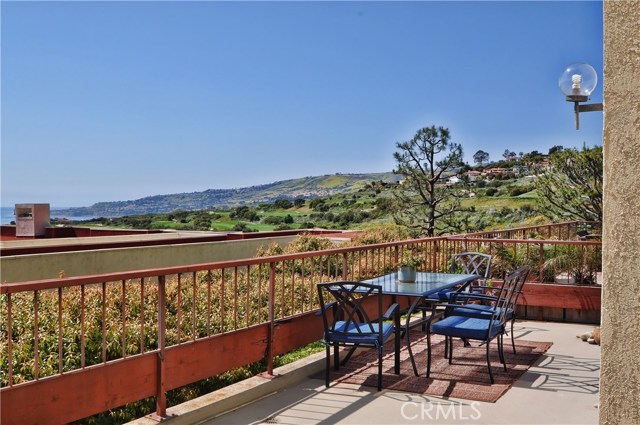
381	233
242	227
284	204
273	220
519	190
306	243
527	208
272	249
315	203
505	211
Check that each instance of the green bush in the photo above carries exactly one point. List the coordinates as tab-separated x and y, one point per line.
519	190
273	220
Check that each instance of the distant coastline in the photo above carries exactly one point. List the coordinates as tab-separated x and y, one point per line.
305	187
7	215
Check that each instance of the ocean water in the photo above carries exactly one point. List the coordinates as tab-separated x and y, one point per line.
7	215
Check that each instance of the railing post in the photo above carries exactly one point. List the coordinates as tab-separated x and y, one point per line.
434	254
396	256
36	338
541	264
9	340
272	301
344	266
161	396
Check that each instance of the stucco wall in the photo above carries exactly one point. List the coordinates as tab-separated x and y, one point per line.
47	266
620	374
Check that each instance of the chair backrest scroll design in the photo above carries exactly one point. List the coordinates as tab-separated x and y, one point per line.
472	263
347	301
509	292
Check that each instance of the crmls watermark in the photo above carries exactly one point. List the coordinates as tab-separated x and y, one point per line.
440	411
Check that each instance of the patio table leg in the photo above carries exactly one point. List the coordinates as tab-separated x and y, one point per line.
410	312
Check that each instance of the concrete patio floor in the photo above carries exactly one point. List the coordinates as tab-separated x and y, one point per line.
560	388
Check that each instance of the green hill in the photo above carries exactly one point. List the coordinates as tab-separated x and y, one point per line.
306	187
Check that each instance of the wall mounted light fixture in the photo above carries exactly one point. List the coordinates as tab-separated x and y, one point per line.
577	82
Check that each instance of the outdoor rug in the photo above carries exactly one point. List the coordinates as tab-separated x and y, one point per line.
467	378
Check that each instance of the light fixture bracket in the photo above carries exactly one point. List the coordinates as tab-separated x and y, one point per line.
577	108
591	107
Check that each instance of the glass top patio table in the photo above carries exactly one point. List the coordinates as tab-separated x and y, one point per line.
426	284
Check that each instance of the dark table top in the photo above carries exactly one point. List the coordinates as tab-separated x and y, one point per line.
425	284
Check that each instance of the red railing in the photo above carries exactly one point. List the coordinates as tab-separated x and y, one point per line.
73	347
568	231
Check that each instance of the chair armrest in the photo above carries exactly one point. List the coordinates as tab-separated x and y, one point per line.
393	309
468	307
470	297
484	287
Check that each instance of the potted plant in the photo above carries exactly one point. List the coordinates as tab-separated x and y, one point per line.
407	265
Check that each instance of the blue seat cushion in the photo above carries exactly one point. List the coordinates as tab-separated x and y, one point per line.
467	327
359	333
473	312
442	296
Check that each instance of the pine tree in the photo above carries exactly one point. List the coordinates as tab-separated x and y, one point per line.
424	198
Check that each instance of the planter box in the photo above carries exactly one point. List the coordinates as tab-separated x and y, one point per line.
547	301
583	297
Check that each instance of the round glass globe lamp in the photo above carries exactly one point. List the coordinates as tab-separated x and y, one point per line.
578	81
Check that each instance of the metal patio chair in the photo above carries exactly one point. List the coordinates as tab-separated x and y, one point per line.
483	301
352	316
464	262
488	326
469	263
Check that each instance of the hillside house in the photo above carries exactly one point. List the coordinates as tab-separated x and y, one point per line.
453	180
520	170
473	175
496	171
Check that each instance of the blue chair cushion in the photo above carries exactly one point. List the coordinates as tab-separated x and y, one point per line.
359	333
442	296
473	312
466	327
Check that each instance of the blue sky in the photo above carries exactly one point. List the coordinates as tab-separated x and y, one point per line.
108	101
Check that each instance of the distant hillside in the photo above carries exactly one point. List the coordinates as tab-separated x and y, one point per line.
306	187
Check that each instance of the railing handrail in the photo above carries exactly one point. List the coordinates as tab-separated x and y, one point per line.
54	283
528	241
536	227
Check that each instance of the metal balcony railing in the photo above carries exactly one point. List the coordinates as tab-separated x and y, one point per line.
74	347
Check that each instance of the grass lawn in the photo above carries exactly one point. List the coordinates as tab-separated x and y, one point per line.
223	225
164	224
283	213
